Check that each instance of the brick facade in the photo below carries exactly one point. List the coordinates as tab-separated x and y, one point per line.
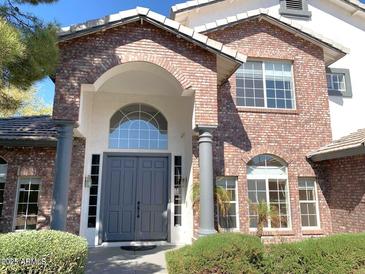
86	58
343	181
39	162
243	133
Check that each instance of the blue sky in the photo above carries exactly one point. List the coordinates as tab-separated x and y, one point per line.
68	12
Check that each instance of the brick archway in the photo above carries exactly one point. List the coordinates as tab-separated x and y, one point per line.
101	68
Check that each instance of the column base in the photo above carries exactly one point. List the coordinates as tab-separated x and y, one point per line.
206	232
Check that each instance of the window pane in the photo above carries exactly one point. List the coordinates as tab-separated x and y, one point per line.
228	219
27	207
249	82
279	90
138	127
336	82
308	202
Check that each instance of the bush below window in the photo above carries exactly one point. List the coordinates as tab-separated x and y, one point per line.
238	253
220	253
42	252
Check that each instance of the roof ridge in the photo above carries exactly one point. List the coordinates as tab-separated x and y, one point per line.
188	5
266	12
156	18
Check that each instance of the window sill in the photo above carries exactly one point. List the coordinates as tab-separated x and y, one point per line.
278	232
312	231
267	110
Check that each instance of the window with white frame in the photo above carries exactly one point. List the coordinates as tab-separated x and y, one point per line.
268	184
27	204
308	203
265	84
339	82
138	126
229	221
3	172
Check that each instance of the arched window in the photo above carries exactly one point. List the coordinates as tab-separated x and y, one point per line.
138	126
267	179
3	171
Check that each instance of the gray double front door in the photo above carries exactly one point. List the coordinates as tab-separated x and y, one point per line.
135	200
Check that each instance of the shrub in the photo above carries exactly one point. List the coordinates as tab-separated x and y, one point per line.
334	254
43	251
233	253
220	253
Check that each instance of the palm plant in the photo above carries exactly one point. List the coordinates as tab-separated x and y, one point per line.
264	212
221	197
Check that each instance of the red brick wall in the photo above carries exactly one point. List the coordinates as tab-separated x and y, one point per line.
39	162
290	134
344	183
85	59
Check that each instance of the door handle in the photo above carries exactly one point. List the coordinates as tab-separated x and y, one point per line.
138	208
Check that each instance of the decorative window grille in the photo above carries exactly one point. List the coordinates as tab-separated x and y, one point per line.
93	195
178	188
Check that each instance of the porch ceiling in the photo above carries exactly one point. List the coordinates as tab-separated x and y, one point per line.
228	59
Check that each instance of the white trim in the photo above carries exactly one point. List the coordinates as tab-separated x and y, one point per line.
267	178
15	213
316	204
237	228
263	62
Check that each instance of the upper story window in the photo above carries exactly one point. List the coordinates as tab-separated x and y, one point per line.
138	126
265	85
339	82
297	9
3	172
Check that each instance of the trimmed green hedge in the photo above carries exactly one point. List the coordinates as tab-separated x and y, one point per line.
43	251
344	253
238	253
220	253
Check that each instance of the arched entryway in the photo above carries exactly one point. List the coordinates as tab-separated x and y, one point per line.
138	120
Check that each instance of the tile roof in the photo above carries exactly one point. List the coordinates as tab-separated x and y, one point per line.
159	20
188	5
266	13
32	128
352	142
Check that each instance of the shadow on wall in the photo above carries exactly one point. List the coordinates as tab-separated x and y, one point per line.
230	128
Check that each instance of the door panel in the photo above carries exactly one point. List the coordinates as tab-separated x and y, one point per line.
152	195
119	211
135	203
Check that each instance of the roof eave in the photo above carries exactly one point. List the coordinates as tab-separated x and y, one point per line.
332	54
28	142
232	56
341	153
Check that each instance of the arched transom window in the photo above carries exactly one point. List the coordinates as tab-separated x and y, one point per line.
267	179
138	126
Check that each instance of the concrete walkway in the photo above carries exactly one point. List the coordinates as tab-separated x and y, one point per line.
116	260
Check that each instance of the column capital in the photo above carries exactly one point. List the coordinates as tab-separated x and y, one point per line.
205	129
